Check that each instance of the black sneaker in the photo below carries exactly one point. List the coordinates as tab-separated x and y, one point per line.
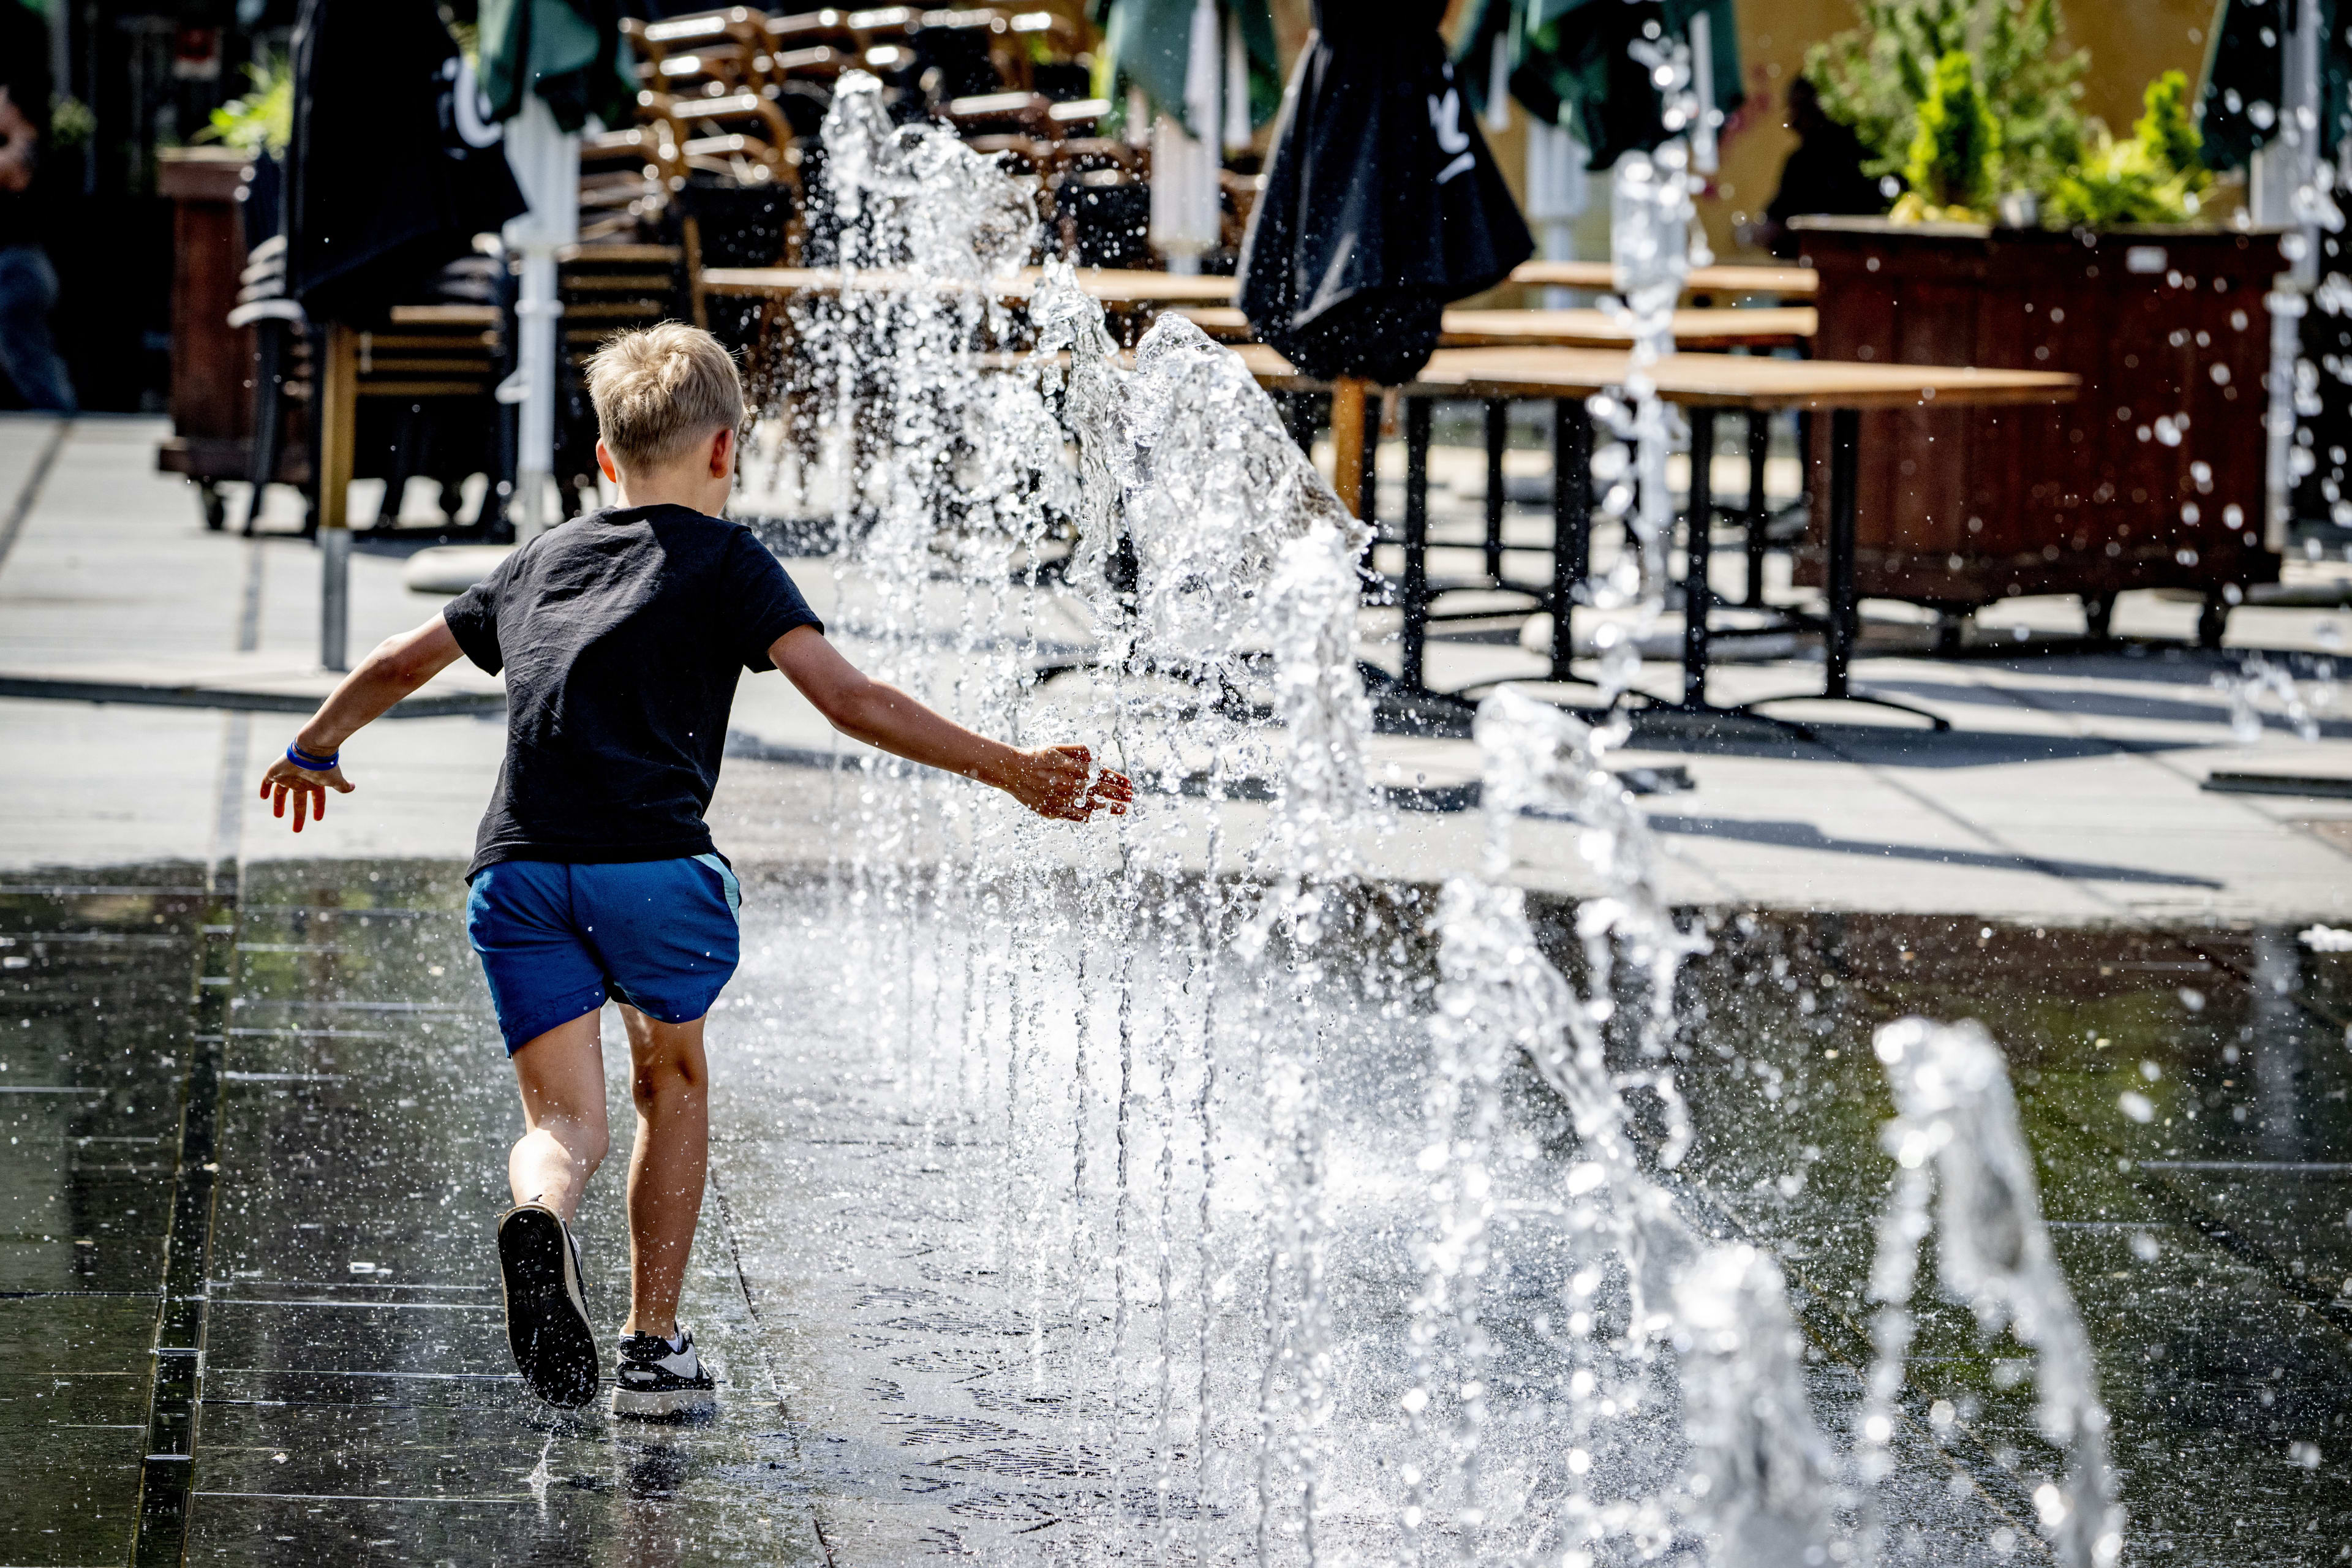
655	1378
547	1316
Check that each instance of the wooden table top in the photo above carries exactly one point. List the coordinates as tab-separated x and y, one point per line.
1125	285
1112	286
1706	380
1775	326
1772	326
445	315
1789	282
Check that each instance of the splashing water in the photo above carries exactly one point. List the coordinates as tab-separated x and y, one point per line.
1761	1469
2257	679
1650	240
1957	1134
1131	1052
1760	1483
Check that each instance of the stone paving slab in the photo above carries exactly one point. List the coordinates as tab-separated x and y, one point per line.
882	1396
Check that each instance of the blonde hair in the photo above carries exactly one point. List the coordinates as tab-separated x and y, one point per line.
659	389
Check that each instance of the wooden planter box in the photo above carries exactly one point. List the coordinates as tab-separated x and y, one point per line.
212	395
1958	508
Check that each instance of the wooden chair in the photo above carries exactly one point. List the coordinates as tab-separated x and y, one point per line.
1096	196
1003	114
605	289
811	62
709	54
970	51
882	25
1062	38
426	380
642	151
827	28
743	136
800	83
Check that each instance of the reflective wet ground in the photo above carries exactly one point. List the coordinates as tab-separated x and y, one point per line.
299	1082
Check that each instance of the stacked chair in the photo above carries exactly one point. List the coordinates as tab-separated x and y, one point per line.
426	388
716	170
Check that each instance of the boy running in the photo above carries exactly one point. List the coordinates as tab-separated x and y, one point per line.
593	874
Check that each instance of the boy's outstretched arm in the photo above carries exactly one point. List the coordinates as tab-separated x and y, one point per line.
398	666
1053	781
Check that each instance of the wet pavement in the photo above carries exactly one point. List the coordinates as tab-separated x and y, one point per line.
267	1123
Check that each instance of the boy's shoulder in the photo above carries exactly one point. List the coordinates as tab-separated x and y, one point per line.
603	531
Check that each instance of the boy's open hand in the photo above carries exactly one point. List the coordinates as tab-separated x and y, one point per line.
308	789
1061	782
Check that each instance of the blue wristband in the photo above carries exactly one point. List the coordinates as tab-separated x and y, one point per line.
302	759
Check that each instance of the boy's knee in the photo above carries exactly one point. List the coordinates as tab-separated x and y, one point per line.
585	1138
663	1075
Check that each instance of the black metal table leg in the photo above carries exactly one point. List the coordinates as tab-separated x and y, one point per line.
1414	641
1760	448
1498	429
1369	508
1845	437
1299	418
1571	522
1699	533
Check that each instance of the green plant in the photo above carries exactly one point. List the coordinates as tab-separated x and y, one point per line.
263	118
71	123
2168	128
1956	147
2156	176
1876	77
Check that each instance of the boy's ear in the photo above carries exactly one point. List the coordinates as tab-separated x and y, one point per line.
604	461
722	453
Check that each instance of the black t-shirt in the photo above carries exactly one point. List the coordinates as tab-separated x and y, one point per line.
622	635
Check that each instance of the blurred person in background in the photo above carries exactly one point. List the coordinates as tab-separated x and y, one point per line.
28	283
1822	176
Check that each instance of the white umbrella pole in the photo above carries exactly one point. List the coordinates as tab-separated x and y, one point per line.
1184	166
546	164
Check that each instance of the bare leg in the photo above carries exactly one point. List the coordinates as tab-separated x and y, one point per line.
561	1076
672	1087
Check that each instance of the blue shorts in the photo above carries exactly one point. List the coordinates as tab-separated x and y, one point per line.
557	939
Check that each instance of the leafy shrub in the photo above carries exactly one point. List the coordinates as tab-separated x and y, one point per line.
1955	148
262	120
1876	77
2156	176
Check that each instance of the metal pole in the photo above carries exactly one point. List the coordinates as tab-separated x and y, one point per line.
1571	522
1699	534
337	426
1759	449
1498	429
1415	639
1845	436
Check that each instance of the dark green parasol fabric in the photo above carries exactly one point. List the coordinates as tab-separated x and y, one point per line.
570	51
1571	64
1149	44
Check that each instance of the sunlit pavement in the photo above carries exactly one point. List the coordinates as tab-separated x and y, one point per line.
2069	790
278	1052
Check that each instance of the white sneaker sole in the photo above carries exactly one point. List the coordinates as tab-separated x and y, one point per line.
669	1402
